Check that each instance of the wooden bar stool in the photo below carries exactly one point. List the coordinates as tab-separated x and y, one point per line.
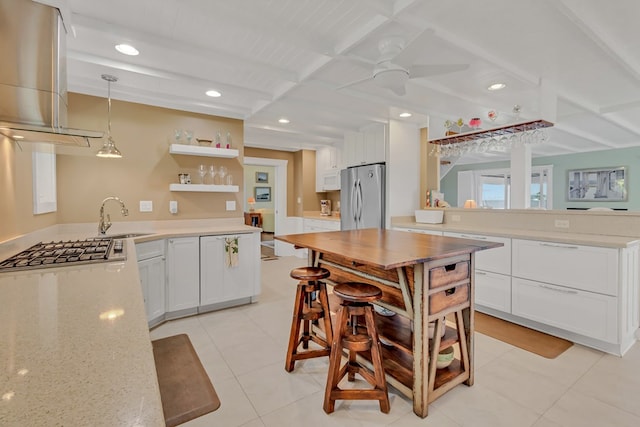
305	312
355	301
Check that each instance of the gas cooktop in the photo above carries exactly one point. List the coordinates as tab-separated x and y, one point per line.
63	253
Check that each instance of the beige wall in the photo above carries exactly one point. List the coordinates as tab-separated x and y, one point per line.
143	134
289	156
16	192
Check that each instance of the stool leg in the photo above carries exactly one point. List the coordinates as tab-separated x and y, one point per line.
376	359
324	303
294	336
333	374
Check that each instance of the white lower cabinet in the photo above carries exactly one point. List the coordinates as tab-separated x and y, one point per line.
492	272
585	313
183	275
222	283
493	290
151	267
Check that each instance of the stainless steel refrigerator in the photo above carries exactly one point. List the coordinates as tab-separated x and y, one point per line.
362	197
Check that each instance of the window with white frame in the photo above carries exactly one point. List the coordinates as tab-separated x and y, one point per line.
491	188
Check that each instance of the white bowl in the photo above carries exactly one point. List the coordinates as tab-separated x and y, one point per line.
445	357
429	216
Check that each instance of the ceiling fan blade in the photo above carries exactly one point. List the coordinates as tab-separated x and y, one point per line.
399	90
354	83
417	71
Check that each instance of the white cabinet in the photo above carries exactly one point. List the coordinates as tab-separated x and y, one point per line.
328	169
496	260
365	147
585	313
318	225
151	267
588	268
223	283
183	276
493	290
419	230
492	273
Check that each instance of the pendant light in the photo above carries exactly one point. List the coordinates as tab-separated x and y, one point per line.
109	149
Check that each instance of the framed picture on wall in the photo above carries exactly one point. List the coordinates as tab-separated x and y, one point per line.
597	185
263	194
262	177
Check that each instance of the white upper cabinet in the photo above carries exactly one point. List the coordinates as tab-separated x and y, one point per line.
328	166
365	147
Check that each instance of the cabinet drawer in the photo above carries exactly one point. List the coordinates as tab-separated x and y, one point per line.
447	274
148	250
452	297
587	268
497	260
493	290
585	313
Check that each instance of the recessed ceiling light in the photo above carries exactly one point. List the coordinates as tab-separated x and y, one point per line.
284	121
497	86
18	137
127	49
404	115
213	93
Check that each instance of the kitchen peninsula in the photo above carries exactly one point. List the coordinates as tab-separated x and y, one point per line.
423	278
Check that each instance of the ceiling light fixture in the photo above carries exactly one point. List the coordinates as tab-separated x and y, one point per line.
284	121
496	86
405	115
213	93
127	49
109	149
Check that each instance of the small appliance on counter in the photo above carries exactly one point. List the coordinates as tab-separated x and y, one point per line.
325	207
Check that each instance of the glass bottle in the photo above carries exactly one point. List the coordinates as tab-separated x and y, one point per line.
228	139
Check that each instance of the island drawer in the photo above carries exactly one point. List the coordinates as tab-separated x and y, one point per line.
448	274
447	299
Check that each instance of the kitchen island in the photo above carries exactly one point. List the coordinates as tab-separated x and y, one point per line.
423	278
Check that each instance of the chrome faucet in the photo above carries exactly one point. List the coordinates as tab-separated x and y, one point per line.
103	225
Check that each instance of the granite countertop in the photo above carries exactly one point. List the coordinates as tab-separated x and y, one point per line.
74	344
557	237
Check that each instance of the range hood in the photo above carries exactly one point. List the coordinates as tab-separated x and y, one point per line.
33	78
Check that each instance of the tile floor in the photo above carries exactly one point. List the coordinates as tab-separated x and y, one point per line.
243	351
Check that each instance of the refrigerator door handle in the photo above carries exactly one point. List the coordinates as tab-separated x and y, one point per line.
354	201
359	203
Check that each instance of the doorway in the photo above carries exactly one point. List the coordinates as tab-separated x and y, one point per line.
279	193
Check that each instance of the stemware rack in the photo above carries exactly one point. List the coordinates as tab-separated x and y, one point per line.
493	132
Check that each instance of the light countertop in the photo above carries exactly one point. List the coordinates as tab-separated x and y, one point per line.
74	343
557	237
335	216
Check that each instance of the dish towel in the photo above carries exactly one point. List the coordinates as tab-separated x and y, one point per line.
231	251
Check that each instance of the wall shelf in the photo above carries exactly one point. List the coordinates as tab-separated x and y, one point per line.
200	150
493	132
204	188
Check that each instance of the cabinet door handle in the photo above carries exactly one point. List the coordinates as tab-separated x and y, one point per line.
551	245
481	273
563	291
473	237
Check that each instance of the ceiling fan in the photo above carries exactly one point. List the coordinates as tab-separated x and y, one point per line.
388	73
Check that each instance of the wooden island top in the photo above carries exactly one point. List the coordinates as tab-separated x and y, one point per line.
386	249
424	279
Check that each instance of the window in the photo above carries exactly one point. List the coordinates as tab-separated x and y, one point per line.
491	188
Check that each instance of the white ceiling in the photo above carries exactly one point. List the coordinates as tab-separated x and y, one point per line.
577	60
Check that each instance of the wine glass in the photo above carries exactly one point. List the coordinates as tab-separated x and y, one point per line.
492	115
177	134
188	135
218	140
213	172
202	171
460	123
222	172
228	140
